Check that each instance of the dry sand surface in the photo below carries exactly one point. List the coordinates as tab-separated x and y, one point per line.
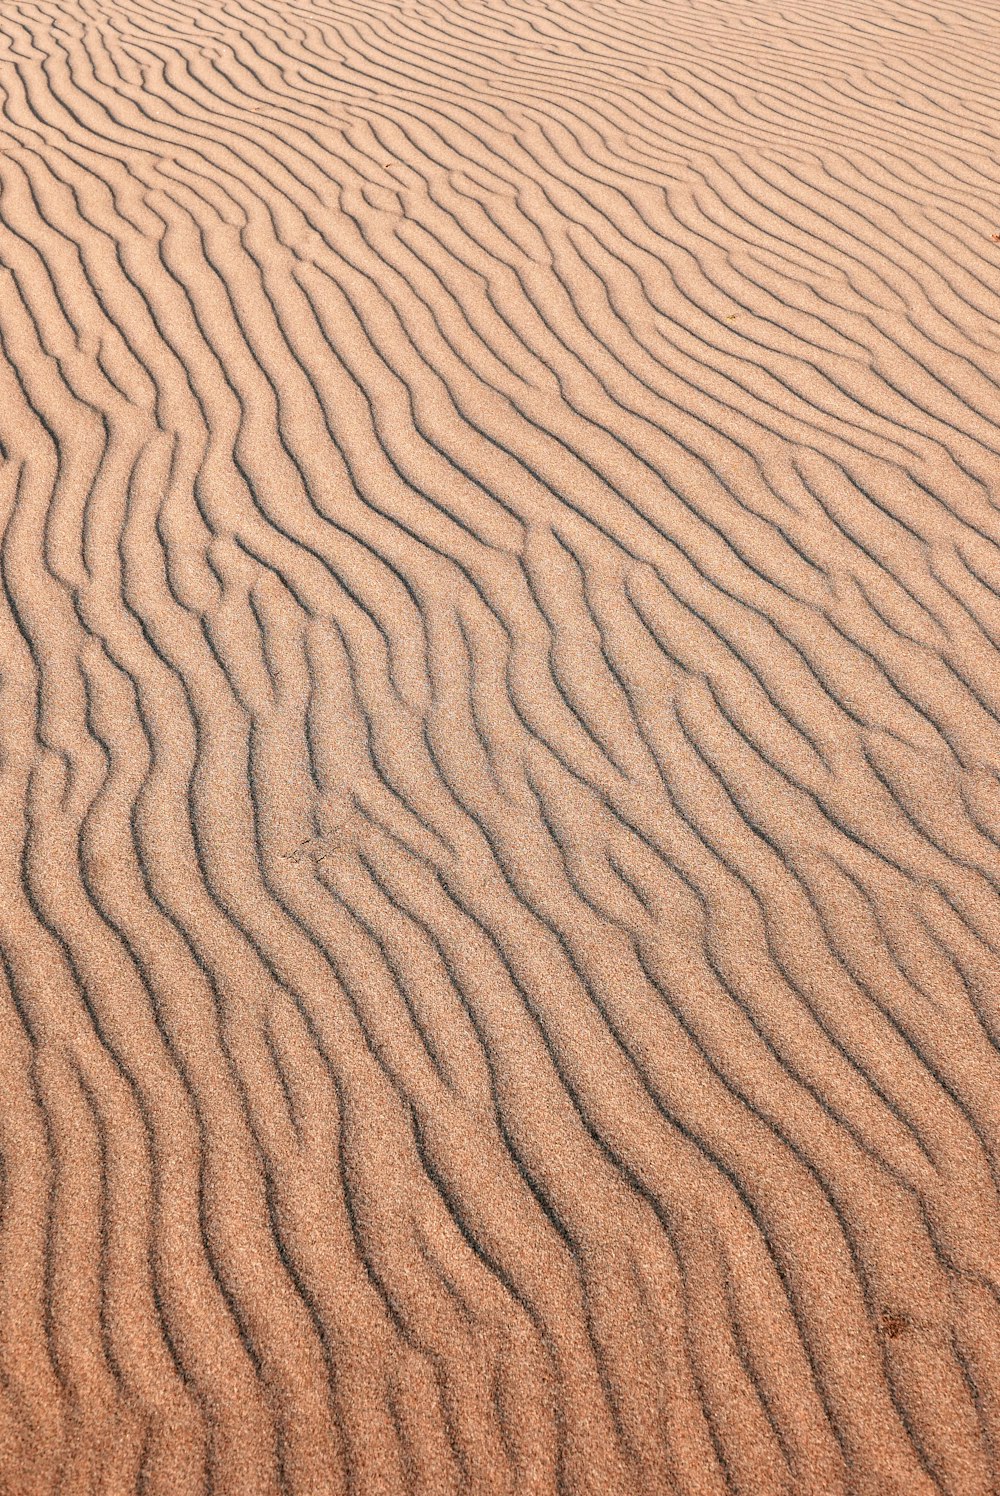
500	747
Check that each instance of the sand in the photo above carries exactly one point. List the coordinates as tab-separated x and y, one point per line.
499	748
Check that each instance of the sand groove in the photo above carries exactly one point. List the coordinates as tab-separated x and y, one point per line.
500	752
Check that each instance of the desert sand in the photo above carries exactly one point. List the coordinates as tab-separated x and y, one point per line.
499	748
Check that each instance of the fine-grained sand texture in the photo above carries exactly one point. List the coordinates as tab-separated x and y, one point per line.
500	748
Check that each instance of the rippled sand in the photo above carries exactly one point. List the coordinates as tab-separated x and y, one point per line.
499	748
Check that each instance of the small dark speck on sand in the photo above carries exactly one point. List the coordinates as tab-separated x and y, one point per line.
893	1325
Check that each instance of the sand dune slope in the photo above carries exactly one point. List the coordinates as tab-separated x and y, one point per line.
500	747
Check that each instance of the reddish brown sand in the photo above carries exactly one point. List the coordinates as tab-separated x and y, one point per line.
500	747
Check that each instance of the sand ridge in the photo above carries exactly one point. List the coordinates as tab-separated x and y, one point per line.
500	748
